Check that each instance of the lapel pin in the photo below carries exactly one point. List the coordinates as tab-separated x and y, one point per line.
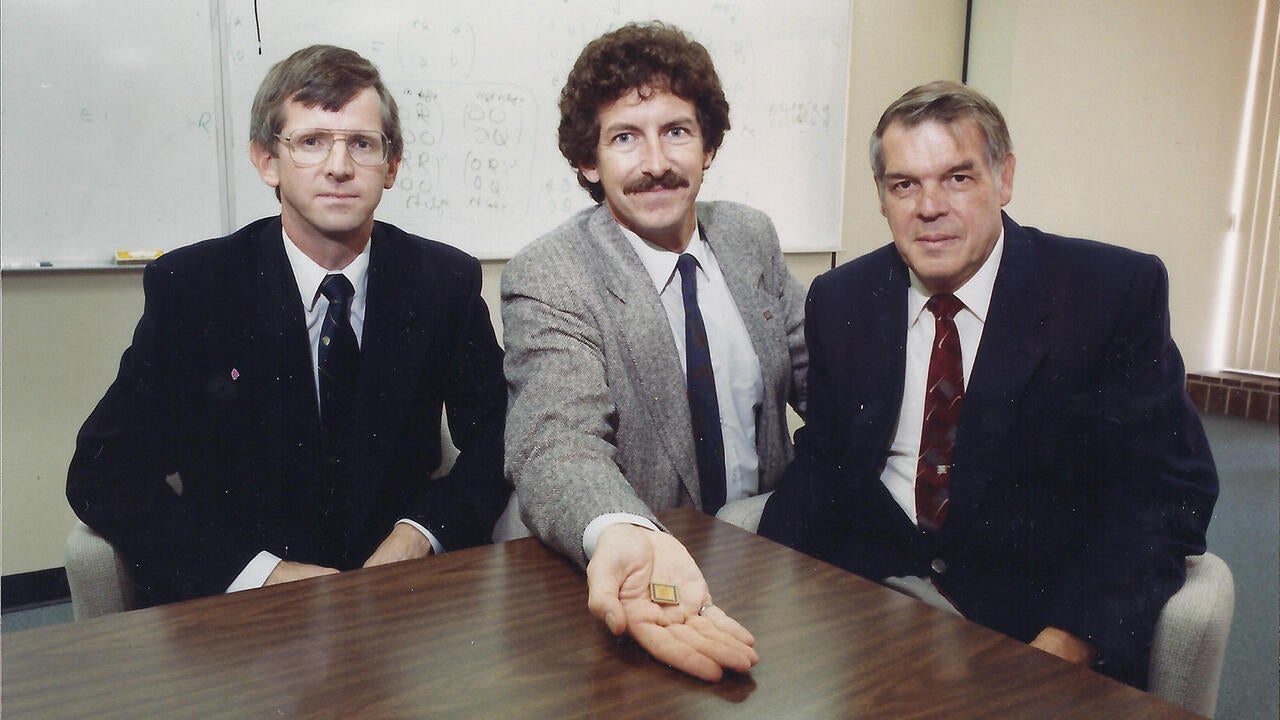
235	374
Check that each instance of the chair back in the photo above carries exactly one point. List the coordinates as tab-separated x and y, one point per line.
1191	636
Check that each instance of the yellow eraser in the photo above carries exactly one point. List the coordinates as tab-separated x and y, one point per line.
136	257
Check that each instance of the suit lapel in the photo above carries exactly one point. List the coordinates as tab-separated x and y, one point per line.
391	352
646	337
881	313
275	344
744	276
1014	343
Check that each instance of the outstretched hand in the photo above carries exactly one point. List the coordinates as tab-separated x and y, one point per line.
693	636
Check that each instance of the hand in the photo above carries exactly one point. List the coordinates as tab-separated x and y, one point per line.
286	571
626	560
1065	645
404	543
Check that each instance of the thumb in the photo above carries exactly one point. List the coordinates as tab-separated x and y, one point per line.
602	599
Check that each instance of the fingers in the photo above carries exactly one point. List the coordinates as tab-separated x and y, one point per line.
721	620
697	647
666	648
721	647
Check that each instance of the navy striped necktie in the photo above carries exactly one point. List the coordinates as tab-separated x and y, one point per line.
338	361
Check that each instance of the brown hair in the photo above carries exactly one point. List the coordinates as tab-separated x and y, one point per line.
644	58
321	75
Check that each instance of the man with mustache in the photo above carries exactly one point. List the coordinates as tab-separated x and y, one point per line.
653	343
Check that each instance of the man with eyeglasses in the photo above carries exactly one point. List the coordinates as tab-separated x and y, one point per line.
277	416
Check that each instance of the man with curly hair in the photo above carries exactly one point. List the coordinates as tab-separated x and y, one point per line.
653	344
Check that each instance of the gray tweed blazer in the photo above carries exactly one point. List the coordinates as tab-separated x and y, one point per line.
598	417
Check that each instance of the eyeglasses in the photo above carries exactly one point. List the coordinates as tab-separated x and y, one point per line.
311	146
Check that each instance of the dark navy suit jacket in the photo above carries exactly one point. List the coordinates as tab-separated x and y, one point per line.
218	388
1081	475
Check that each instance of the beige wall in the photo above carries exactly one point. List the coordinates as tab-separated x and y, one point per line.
1125	119
1155	184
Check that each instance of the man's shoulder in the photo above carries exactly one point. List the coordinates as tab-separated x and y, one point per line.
566	248
871	270
193	267
1079	259
198	254
727	212
1084	247
422	253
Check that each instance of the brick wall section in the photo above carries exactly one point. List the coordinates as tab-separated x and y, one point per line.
1255	397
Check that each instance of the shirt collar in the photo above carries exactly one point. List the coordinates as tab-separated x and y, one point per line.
659	262
975	293
309	274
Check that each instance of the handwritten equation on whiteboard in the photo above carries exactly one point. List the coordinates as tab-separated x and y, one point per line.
477	85
471	159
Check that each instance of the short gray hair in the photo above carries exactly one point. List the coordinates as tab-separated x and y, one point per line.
946	102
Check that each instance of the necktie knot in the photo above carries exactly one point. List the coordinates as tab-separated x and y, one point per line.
944	305
337	289
687	265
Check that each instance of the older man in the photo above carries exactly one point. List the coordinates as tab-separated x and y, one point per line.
998	421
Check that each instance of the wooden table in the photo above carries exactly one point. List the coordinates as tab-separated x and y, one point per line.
502	631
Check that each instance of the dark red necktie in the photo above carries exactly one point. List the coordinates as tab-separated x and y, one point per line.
943	397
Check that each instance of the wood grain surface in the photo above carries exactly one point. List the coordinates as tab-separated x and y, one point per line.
502	631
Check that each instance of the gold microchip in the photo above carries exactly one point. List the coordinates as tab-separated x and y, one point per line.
664	594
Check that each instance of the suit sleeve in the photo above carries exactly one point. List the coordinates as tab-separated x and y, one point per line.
559	442
1158	485
461	508
792	300
803	511
137	436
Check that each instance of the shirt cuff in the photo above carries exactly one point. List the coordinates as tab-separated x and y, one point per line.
591	535
255	574
435	544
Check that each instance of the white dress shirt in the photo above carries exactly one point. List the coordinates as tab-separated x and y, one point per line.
899	474
308	275
738	377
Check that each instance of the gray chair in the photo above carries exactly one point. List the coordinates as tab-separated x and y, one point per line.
99	577
1191	634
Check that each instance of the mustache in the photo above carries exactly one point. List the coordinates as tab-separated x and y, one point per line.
669	180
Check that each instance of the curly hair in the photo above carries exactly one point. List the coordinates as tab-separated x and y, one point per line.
644	58
321	75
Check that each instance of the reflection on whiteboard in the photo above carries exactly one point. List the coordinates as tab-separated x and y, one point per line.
108	129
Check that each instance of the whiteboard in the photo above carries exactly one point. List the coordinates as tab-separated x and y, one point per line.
124	123
108	129
477	83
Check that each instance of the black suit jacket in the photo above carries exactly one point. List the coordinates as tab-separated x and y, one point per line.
1081	475
218	389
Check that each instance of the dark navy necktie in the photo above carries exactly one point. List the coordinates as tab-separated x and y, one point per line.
339	364
943	397
704	409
